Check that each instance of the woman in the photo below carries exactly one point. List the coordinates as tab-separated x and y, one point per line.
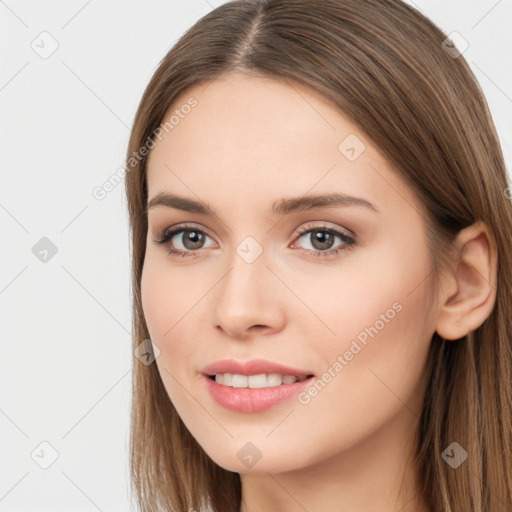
319	214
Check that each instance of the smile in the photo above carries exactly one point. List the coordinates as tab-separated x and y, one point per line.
261	380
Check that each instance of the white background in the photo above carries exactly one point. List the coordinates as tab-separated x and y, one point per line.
65	356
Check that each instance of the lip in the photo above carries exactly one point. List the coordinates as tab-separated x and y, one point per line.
253	399
252	367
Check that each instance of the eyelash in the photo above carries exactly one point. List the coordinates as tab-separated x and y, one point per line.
348	242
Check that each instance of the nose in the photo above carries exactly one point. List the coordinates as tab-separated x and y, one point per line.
247	300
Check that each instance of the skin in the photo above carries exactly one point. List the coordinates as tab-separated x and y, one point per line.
252	141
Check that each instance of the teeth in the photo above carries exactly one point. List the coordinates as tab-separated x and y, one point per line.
274	379
255	381
239	381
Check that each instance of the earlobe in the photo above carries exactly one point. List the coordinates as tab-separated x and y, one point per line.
469	290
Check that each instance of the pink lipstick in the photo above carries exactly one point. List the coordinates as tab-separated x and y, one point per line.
255	385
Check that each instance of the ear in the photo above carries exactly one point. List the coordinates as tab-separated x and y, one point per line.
469	287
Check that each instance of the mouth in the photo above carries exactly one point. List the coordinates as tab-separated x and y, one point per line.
254	385
255	373
257	381
254	393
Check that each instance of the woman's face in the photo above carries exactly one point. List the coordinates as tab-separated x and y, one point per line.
337	291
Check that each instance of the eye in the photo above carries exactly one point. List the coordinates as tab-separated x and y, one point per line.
188	236
187	240
322	240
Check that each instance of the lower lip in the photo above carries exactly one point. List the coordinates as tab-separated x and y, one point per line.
253	399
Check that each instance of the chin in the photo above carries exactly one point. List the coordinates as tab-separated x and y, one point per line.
257	457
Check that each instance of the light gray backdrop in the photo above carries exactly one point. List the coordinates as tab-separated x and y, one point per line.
71	76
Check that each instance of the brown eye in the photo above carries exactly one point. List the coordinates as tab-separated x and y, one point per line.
182	240
192	239
322	240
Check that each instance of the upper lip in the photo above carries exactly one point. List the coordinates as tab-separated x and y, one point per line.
252	367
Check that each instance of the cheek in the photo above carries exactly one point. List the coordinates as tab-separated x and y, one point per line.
171	301
381	287
167	302
154	300
167	296
375	304
375	363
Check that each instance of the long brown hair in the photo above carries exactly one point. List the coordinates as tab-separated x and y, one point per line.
388	69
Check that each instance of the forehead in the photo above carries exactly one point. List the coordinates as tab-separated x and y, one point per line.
243	115
248	138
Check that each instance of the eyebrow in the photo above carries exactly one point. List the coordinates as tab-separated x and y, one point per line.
281	207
